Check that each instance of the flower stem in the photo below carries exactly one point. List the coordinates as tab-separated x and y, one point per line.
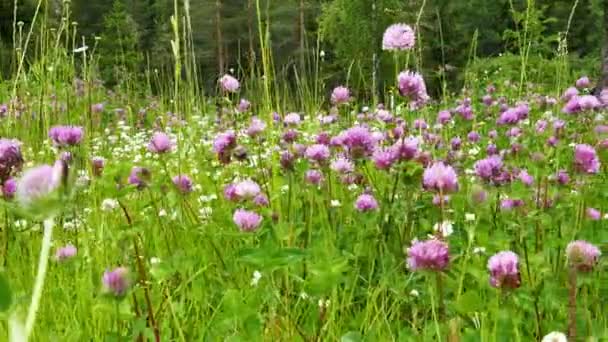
434	312
40	276
572	304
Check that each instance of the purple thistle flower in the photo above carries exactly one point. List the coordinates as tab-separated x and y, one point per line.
139	177
509	204
230	192
318	153
160	143
585	159
456	143
398	37
229	84
314	177
508	117
593	214
9	188
570	93
583	82
443	117
365	203
541	125
525	177
183	183
359	141
342	165
65	253
97	165
383	158
287	160
582	255
504	270
430	255
244	106
405	149
488	168
66	135
247	189
224	141
116	282
441	178
290	136
562	177
256	127
487	100
292	119
411	85
261	200
38	182
247	221
473	136
340	95
11	159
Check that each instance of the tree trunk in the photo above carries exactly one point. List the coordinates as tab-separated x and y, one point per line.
250	15
218	32
302	31
603	82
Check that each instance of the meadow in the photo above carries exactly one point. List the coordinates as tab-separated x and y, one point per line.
172	216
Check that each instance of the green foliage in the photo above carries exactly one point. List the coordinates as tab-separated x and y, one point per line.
118	50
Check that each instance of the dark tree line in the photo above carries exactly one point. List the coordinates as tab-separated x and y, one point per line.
136	34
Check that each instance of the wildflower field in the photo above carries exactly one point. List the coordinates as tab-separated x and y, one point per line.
171	215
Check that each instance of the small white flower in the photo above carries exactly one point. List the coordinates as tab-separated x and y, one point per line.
81	49
21	224
205	212
303	295
322	54
162	213
479	250
474	151
324	304
256	278
555	336
154	260
469	217
444	227
353	187
335	203
284	189
414	293
109	204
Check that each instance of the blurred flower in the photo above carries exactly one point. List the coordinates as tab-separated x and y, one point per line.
9	188
314	177
247	221
431	255
440	177
582	255
504	270
183	183
109	204
593	214
446	228
398	37
411	85
555	336
366	202
116	282
256	127
292	119
66	135
139	177
340	95
585	159
66	252
38	182
160	143
317	152
583	82
229	84
11	159
342	165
